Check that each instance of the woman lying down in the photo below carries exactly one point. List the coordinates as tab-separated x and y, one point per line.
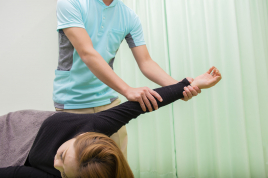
48	144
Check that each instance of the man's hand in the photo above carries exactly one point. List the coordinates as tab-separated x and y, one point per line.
190	91
143	95
156	74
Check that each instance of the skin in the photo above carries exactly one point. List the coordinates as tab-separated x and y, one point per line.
208	79
107	2
64	160
100	68
155	73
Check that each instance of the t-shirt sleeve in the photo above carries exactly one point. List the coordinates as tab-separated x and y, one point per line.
135	36
69	14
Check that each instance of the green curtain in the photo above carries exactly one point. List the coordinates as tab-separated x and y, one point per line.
223	132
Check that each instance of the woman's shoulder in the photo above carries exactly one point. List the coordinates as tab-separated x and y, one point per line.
65	120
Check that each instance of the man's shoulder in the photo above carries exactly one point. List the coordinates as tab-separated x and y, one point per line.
127	9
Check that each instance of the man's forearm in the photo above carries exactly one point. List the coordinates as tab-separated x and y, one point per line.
156	74
100	68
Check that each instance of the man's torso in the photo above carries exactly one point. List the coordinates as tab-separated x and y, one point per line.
75	86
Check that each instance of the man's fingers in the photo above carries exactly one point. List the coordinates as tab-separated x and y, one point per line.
142	104
185	96
147	102
151	98
188	92
210	70
155	94
197	89
192	90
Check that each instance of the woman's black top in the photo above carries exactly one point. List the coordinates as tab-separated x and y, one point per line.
63	126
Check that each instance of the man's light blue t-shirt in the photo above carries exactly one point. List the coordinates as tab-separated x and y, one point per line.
75	86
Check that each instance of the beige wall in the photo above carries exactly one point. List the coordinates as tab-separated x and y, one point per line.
28	54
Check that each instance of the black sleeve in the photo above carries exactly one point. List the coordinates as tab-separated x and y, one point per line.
23	172
111	120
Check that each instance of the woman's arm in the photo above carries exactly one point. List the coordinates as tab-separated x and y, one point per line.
113	119
24	171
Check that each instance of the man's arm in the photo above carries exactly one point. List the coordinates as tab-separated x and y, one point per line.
156	74
100	68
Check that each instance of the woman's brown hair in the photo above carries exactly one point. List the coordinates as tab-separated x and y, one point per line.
98	156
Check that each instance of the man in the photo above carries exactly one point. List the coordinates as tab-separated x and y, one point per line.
90	33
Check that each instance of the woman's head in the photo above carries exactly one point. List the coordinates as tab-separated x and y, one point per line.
91	155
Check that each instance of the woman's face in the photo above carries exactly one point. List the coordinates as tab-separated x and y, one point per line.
65	160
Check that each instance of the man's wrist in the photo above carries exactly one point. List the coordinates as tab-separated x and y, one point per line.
123	91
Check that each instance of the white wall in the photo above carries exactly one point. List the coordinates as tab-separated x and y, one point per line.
28	54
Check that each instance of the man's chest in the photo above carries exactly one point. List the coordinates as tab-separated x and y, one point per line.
101	21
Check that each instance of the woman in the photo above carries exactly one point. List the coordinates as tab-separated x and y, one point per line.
78	145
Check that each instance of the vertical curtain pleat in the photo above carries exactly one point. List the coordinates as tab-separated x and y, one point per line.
223	132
